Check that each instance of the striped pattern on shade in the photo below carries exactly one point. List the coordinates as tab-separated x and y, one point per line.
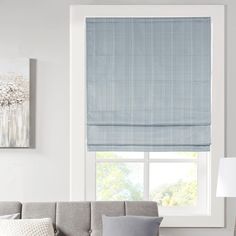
148	84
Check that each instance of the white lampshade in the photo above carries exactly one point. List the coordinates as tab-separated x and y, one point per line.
226	186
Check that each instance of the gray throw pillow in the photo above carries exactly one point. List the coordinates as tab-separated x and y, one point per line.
131	225
10	217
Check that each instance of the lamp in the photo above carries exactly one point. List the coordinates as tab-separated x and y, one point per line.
226	179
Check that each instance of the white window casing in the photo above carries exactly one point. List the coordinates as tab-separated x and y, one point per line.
82	162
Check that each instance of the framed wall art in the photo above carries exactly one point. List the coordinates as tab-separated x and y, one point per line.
14	103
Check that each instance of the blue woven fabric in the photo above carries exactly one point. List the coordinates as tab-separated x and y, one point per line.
148	84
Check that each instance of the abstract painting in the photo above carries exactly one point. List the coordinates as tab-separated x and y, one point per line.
14	102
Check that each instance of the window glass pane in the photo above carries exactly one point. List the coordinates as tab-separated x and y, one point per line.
173	184
173	155
119	155
119	181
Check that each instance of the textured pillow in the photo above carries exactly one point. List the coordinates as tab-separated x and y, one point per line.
131	226
26	227
10	217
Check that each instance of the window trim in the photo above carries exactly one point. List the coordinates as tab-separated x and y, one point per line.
78	158
203	181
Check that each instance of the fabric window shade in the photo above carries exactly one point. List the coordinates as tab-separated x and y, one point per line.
148	84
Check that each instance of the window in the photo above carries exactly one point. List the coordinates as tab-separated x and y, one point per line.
210	210
178	181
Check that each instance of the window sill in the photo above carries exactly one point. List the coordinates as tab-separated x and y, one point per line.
193	221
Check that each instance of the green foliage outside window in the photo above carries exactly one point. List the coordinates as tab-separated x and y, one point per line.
178	194
114	182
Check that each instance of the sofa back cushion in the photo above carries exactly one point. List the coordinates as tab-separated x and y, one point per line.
38	210
9	208
104	208
73	218
78	218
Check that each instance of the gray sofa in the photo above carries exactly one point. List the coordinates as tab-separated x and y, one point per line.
78	218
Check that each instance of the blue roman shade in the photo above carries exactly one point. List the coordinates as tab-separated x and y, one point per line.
148	84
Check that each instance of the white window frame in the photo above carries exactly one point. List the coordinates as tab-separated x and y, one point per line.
202	161
78	158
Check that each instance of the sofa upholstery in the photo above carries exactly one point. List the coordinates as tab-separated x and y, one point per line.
78	218
9	208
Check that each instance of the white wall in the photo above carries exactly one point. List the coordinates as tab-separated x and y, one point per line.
40	29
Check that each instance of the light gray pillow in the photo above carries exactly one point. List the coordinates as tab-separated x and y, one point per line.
10	217
131	225
27	227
